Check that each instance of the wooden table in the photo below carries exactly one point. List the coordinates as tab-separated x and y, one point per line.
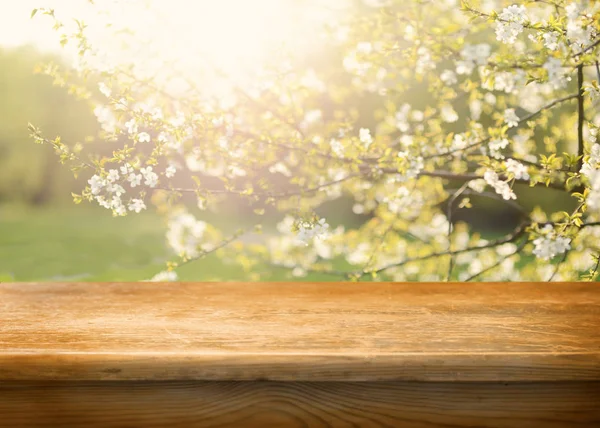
300	355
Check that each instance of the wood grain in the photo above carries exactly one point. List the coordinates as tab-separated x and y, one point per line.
300	404
300	331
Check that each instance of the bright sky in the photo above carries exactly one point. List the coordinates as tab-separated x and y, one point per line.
236	35
190	39
239	22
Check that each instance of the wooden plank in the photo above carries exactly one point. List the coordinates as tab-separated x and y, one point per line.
300	404
300	331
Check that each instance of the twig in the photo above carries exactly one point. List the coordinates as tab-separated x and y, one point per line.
497	197
580	116
521	121
499	262
203	254
518	232
449	215
595	270
337	273
262	193
562	260
592	46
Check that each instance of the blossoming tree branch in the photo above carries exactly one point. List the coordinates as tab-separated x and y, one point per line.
416	109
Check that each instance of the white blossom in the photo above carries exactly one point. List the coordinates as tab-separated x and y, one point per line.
501	187
185	233
448	77
551	40
475	107
337	148
103	202
104	89
472	56
414	167
120	210
106	118
360	255
96	183
517	168
549	245
178	120
407	140
401	118
116	204
496	145
592	90
510	23
477	185
353	65
121	104
490	98
115	188
591	169
506	81
132	126
448	114
126	169
134	179
459	142
280	168
579	35
424	60
164	276
592	134
364	48
113	175
511	118
417	115
556	73
151	178
136	205
595	154
307	231
311	117
365	137
143	137
170	171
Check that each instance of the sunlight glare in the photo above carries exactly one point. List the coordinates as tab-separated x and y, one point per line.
236	37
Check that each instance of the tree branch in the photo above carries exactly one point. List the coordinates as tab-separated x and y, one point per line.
263	193
499	262
449	215
470	176
518	232
521	121
580	116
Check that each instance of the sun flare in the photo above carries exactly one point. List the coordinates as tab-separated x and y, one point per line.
235	37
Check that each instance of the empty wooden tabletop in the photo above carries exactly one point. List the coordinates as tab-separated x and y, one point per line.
300	331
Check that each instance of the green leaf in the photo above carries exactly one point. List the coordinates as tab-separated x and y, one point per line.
33	12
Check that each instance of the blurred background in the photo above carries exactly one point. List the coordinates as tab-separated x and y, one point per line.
44	236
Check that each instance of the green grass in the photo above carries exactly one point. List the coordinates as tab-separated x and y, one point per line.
83	243
78	243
